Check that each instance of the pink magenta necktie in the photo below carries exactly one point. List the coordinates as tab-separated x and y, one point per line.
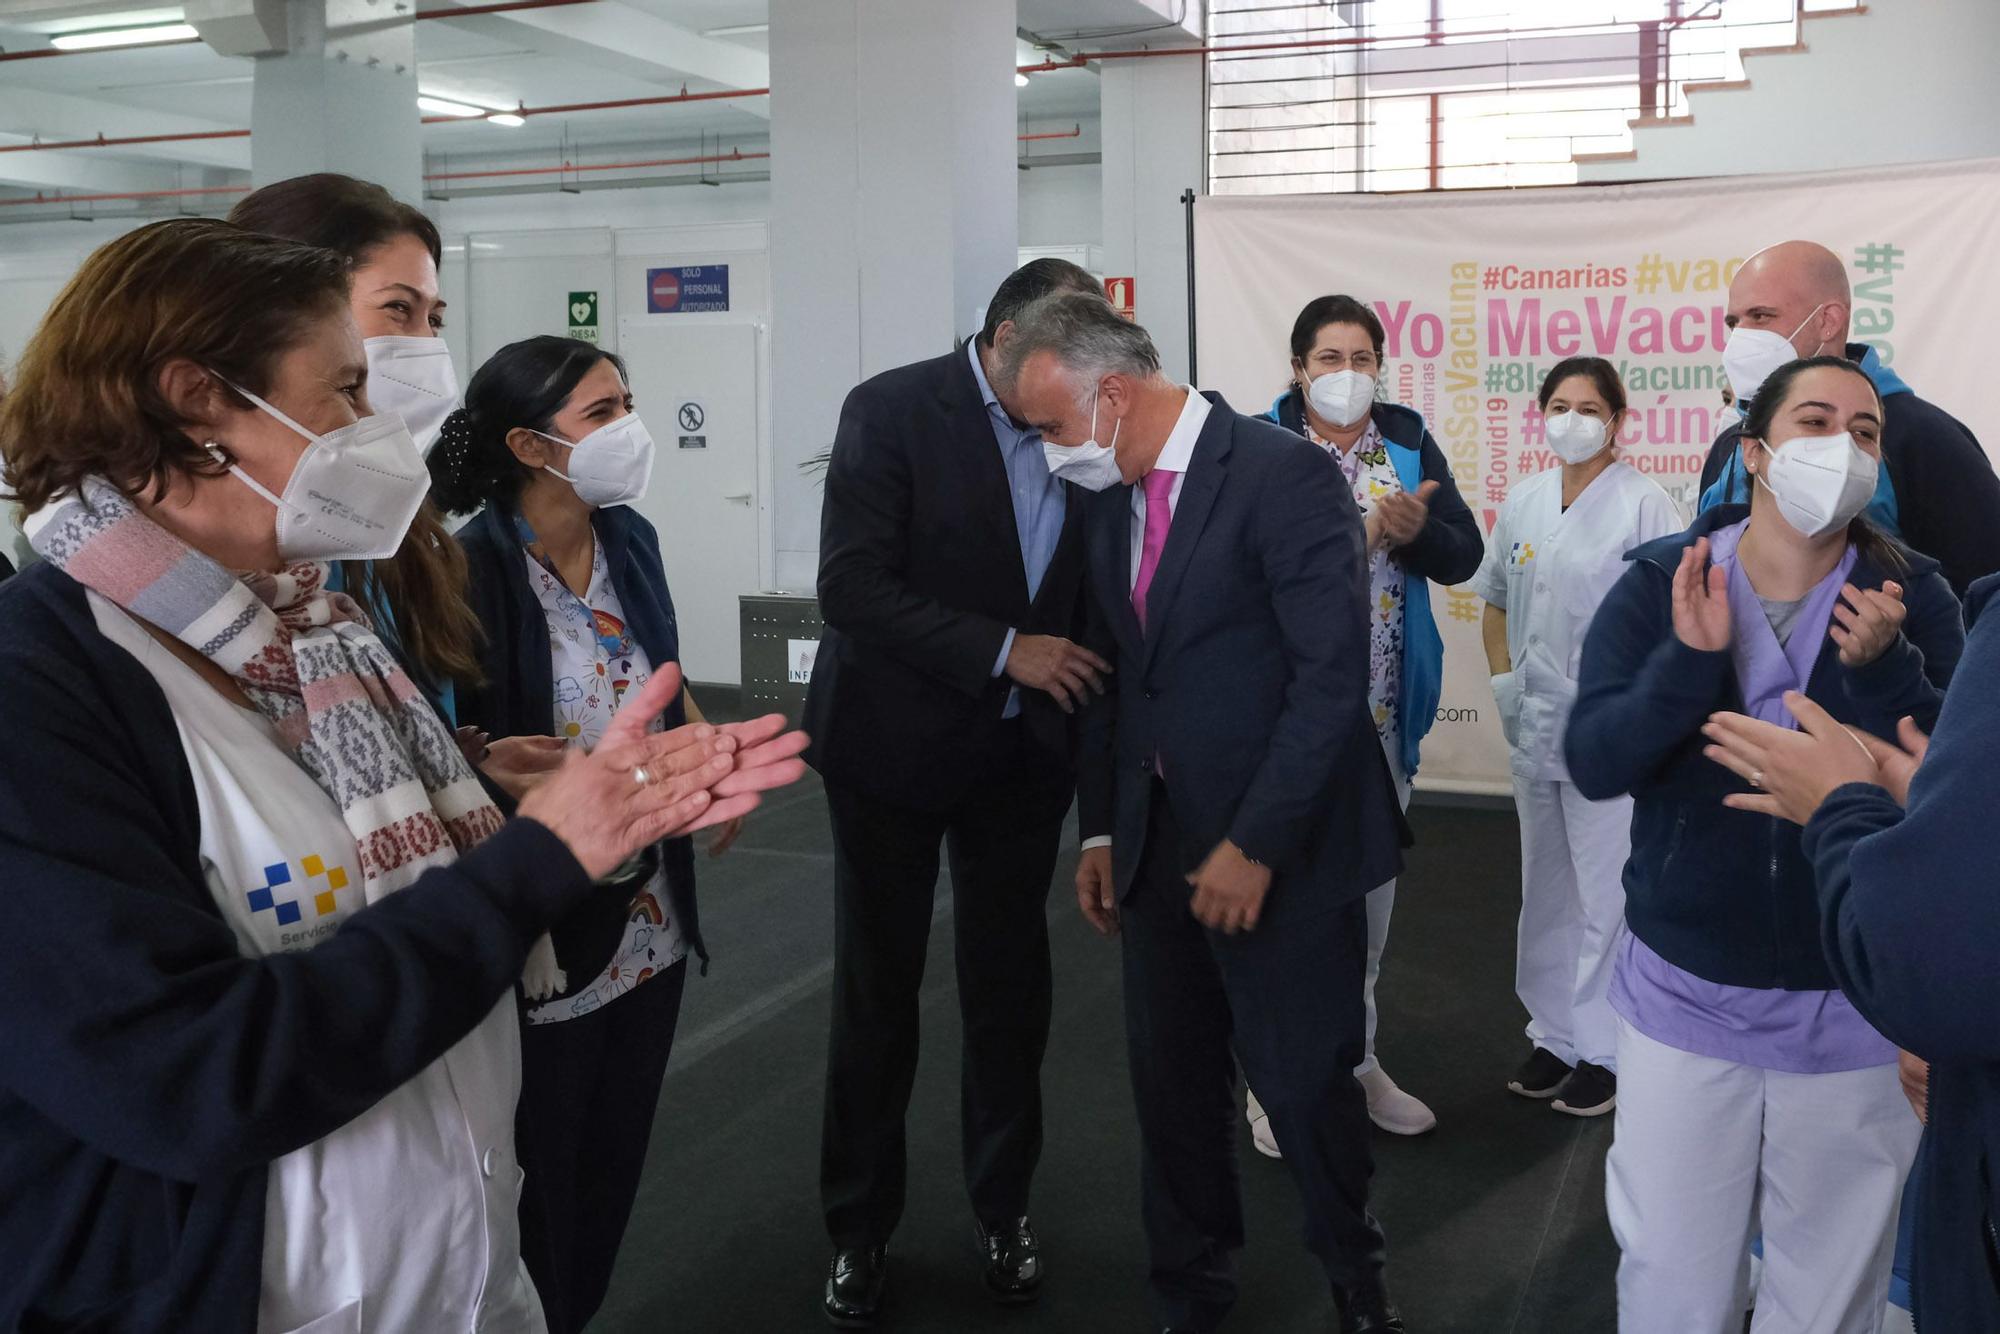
1159	486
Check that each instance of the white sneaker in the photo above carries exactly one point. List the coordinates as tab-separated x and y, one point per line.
1261	1133
1393	1110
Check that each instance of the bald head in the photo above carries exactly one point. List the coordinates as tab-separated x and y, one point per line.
1808	266
1796	289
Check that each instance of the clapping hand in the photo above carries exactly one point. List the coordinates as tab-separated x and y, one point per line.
1701	601
472	744
1899	760
1793	771
1866	622
1403	515
517	763
637	787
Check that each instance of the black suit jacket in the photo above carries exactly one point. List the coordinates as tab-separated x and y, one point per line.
920	578
1250	684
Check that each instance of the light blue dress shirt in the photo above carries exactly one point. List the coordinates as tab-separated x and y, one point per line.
1038	502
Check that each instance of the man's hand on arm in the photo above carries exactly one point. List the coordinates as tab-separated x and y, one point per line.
1229	890
1067	671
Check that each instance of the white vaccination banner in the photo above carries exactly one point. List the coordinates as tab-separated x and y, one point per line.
1481	292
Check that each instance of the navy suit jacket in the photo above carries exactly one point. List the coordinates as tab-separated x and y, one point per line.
920	577
1250	683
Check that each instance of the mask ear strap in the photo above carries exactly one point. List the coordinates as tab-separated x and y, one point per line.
236	471
266	407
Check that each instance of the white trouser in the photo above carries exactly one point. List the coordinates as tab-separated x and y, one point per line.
1573	855
1704	1151
1381	903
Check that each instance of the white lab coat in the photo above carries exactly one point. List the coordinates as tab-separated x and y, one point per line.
1548	570
406	1219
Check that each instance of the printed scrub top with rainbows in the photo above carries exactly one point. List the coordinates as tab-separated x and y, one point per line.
595	663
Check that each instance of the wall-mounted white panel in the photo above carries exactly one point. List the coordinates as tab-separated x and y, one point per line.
698	386
520	284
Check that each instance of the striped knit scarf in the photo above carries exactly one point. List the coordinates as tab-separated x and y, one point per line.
308	660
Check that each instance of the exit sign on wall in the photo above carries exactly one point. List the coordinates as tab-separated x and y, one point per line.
691	289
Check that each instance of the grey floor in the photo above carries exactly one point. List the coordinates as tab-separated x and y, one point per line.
1495	1222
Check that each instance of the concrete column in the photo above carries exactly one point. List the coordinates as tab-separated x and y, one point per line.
1153	117
893	210
340	96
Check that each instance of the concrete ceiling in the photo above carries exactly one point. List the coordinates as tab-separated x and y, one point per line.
600	51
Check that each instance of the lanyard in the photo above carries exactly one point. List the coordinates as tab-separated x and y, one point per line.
614	639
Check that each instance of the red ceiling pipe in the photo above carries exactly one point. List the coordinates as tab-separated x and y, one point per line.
594	166
624	103
50	52
1091	57
131	194
507	8
101	142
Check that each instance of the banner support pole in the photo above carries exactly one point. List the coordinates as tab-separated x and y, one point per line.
1187	204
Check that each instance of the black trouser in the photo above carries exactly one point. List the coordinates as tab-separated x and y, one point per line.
1285	1001
1002	841
589	1087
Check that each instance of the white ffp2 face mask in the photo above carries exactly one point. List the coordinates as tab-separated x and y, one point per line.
1341	397
413	378
1574	437
1819	481
352	494
612	465
1751	356
1092	466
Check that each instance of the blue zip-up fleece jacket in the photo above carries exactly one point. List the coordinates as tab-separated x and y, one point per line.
1728	895
149	1070
1447	552
1911	930
1936	493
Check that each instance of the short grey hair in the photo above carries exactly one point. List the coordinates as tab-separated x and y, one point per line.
1087	336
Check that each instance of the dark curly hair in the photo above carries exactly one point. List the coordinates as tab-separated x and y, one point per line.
523	384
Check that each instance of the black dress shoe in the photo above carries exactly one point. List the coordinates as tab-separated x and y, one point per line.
1013	1262
854	1283
1368	1311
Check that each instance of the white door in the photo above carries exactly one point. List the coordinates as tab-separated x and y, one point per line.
695	383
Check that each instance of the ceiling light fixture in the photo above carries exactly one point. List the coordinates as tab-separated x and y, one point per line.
110	37
439	106
1020	79
736	30
507	118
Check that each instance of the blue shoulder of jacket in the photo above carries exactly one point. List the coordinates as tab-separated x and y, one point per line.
1402	427
1978	595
